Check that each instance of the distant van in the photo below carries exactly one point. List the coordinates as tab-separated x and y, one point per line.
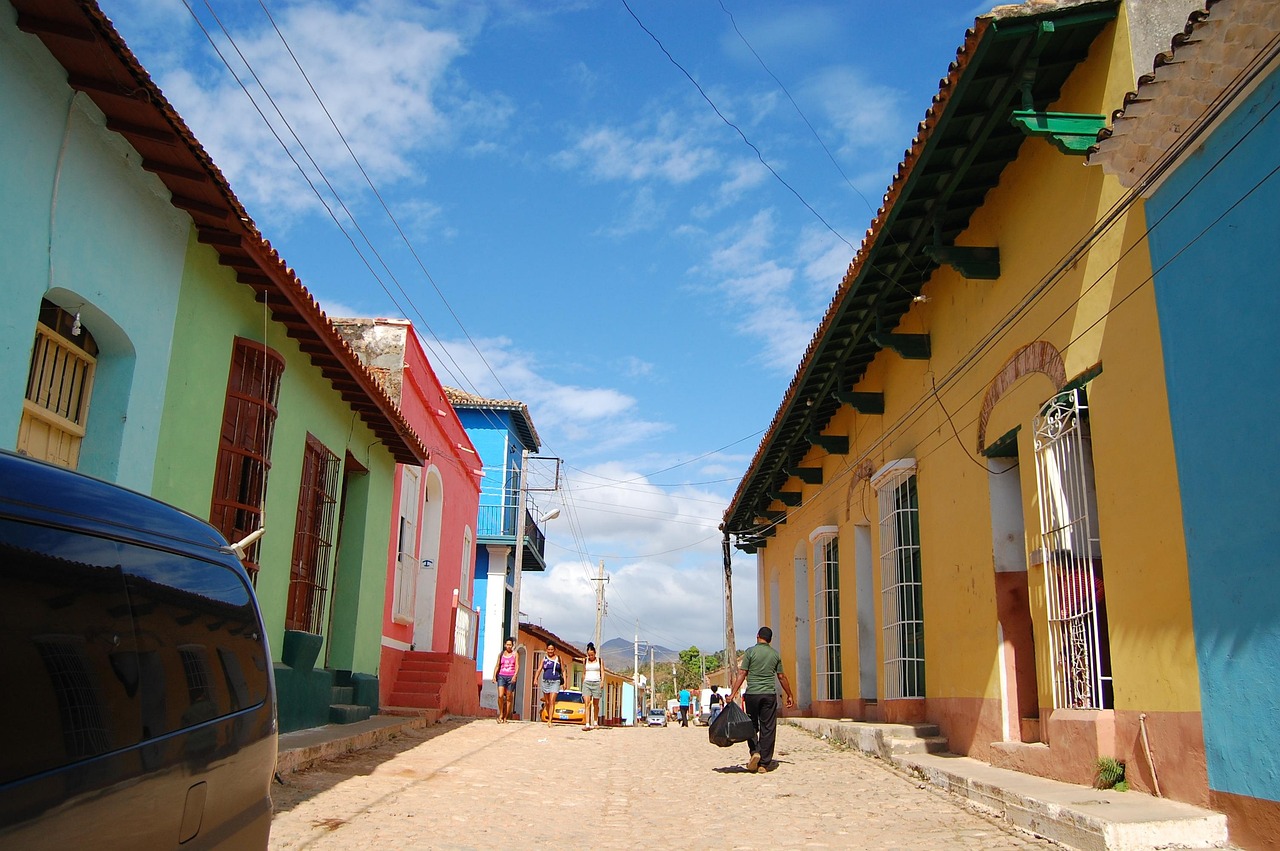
139	704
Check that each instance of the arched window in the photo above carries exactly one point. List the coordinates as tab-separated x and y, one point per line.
59	385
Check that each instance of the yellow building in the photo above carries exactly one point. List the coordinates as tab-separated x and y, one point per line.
966	510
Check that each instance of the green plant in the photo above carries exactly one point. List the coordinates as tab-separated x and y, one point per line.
1109	774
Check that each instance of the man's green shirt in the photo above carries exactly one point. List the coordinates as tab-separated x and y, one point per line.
762	664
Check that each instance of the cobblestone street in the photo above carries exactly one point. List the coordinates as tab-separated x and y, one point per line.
480	784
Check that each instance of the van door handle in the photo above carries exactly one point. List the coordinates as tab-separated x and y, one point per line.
193	812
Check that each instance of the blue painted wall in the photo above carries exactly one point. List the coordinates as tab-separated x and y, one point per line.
1218	297
496	440
84	226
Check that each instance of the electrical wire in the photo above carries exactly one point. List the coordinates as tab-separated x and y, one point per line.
735	127
1056	275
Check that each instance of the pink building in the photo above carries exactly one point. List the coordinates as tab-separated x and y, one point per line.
429	629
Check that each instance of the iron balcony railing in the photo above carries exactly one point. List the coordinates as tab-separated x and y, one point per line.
499	521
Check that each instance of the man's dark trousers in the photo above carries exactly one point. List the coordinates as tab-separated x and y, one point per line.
762	709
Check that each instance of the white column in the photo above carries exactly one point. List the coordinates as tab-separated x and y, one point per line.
491	636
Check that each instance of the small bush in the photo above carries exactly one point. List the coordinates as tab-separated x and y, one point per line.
1110	774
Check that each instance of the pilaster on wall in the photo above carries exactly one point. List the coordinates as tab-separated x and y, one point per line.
495	601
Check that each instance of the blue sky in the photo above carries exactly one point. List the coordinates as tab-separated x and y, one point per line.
573	225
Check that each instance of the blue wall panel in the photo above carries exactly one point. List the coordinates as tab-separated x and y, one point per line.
1215	229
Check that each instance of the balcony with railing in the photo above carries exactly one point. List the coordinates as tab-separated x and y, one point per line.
496	524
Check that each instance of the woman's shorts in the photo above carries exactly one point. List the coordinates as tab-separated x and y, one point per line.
506	682
595	690
550	686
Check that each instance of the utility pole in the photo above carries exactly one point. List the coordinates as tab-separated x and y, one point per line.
635	666
730	648
652	683
600	609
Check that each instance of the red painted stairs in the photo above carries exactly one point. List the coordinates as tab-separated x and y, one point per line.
421	680
435	684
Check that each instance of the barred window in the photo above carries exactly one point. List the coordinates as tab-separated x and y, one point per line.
900	573
313	538
826	607
244	448
59	385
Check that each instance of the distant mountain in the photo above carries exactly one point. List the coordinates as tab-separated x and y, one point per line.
619	654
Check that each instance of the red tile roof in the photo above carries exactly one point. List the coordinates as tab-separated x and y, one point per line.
99	64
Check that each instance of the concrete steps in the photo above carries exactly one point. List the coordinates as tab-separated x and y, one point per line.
1075	816
420	681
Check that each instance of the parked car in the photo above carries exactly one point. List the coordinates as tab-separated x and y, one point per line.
140	702
657	717
570	708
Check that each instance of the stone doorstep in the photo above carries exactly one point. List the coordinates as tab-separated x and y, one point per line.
1076	816
304	748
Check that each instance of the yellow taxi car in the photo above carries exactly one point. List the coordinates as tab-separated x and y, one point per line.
570	708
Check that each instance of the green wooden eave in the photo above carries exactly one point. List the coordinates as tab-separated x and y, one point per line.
1069	132
965	143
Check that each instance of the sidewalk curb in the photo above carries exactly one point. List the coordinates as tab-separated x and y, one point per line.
1075	816
302	749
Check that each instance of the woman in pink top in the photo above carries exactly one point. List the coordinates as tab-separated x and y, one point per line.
504	674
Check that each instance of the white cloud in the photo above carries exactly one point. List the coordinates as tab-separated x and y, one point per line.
594	419
665	151
755	281
384	82
866	114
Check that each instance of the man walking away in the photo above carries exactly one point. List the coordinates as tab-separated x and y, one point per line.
684	707
760	666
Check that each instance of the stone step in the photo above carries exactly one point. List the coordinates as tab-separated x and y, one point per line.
916	744
424	700
348	713
1071	815
412	676
342	695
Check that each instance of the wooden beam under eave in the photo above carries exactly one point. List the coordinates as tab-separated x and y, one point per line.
863	403
908	346
137	131
162	167
36	25
85	83
223	238
191	205
788	498
808	475
834	444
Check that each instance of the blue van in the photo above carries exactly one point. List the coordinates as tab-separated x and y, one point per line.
139	704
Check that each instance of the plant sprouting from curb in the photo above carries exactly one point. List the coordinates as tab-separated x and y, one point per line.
1109	774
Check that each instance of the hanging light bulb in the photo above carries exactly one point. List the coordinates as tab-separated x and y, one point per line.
75	326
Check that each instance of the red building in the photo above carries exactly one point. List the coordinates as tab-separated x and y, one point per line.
429	630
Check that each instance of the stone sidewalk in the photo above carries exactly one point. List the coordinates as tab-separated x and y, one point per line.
1075	816
464	784
400	783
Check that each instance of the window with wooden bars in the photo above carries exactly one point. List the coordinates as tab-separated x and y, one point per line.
902	590
313	538
59	384
826	607
244	448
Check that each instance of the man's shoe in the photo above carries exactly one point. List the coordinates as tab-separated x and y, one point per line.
753	764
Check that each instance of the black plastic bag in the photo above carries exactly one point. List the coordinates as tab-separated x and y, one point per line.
730	727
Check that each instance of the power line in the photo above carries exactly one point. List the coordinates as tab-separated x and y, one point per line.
735	127
1056	275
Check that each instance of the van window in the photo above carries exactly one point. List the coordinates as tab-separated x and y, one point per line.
111	644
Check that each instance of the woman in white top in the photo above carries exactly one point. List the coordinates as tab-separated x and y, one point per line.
592	686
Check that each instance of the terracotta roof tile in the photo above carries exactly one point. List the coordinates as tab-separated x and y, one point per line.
1221	47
